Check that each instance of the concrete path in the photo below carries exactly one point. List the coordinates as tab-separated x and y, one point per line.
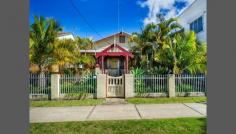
117	112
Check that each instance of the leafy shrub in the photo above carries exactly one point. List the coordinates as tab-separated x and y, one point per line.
137	72
185	88
76	96
86	84
39	90
159	70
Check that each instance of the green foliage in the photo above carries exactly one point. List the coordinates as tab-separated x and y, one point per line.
184	88
84	43
78	87
181	53
46	50
64	52
151	126
43	33
87	60
161	50
69	71
39	90
137	72
86	84
64	103
158	70
76	96
167	100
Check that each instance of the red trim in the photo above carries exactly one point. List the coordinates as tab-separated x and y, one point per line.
106	53
114	54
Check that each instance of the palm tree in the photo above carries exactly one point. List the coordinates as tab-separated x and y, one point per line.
43	33
151	39
182	53
166	29
144	42
65	52
84	43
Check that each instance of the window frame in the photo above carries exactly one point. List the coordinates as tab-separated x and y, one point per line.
197	25
122	38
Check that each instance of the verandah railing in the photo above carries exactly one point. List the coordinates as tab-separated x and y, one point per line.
150	84
190	83
39	84
76	84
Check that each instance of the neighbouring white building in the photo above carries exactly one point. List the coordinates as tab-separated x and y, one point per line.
194	17
65	35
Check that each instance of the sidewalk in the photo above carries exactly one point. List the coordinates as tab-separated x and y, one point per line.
116	112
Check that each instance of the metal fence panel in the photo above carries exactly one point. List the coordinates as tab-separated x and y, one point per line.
76	84
190	83
39	84
151	84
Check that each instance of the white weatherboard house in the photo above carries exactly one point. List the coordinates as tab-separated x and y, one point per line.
194	17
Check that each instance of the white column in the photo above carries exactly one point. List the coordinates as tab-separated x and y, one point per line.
171	85
129	85
55	86
101	85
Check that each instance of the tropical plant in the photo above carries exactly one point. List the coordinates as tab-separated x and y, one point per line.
144	43
182	53
84	43
43	33
159	70
137	72
65	52
151	40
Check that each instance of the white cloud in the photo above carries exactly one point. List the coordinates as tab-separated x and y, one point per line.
155	6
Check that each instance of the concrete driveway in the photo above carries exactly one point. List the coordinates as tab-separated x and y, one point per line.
117	112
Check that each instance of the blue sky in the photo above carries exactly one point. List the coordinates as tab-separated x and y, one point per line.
102	15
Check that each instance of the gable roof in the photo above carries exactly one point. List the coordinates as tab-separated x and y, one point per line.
122	51
110	36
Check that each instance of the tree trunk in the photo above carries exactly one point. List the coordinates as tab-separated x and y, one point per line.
41	78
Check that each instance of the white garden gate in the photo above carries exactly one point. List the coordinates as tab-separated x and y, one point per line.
115	87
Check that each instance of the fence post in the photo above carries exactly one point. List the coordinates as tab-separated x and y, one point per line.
129	85
55	86
171	85
101	85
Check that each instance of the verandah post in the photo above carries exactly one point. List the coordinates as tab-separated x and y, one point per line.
171	85
55	86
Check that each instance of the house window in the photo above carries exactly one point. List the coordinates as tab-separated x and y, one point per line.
122	39
197	25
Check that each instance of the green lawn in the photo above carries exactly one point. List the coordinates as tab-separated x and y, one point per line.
161	126
61	103
91	102
166	100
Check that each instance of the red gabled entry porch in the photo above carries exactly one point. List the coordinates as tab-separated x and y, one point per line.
114	58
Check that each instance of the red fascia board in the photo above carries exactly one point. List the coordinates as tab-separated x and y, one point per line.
114	54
